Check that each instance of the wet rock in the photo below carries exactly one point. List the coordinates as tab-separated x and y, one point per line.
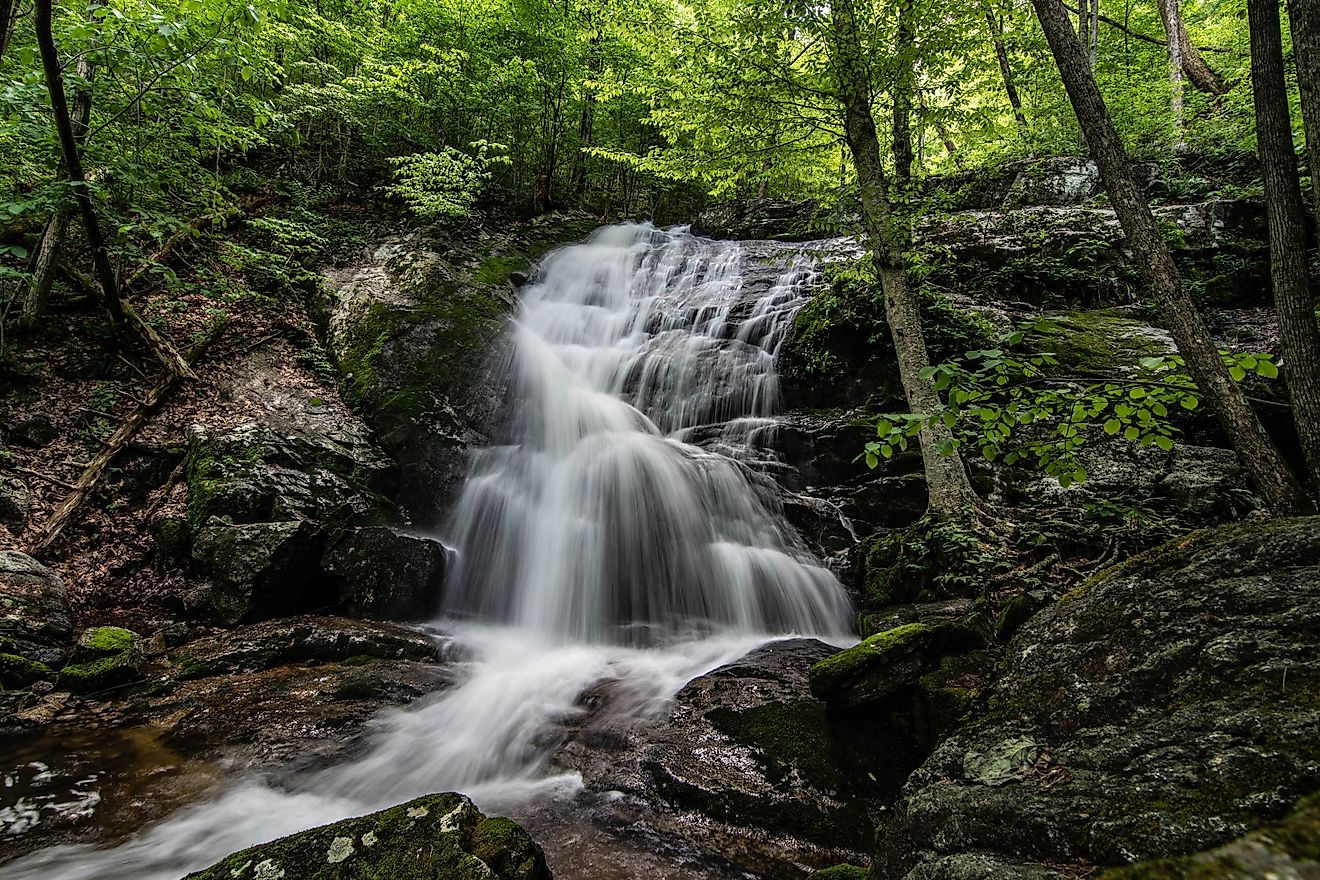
35	620
298	640
747	766
1144	716
385	574
105	657
436	836
260	570
1055	181
15	499
20	672
419	334
889	662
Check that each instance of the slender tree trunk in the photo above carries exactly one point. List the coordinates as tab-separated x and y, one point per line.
6	25
1304	15
949	491
1257	453
1188	57
1173	45
586	123
1006	72
1083	23
46	258
1289	272
1093	56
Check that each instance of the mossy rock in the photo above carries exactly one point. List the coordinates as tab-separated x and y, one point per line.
1097	343
436	837
19	672
890	662
105	657
34	608
260	570
1290	848
839	872
931	559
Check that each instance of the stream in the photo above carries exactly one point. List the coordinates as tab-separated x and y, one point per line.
595	541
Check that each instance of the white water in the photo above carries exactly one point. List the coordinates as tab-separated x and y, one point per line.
596	544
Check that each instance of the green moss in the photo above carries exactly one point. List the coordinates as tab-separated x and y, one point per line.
497	270
839	872
853	660
792	738
1094	343
19	672
107	640
931	559
208	475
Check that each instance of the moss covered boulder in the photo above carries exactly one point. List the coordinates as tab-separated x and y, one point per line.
437	837
1163	708
260	570
890	662
105	657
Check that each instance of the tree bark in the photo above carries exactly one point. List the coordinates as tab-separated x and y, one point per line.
1173	46
1304	15
949	491
1257	453
46	258
50	62
1006	72
1298	332
1189	58
1093	56
6	25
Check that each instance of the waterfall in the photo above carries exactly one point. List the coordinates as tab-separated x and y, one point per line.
623	531
597	522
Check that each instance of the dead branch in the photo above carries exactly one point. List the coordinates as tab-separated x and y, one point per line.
96	469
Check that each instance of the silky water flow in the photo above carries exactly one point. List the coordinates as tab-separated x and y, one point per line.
621	531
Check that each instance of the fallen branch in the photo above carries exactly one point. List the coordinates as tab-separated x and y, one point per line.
96	469
198	225
159	345
47	477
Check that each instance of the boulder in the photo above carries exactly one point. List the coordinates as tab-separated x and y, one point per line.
747	767
1165	707
436	837
105	657
34	432
15	499
260	570
35	621
386	574
890	662
272	471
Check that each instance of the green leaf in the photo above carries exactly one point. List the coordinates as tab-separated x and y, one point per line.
871	461
1163	442
1189	402
1237	373
1267	370
1112	426
1132	432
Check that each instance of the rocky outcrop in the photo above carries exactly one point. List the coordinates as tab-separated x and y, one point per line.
105	657
746	767
1162	708
418	333
759	219
437	836
15	499
259	571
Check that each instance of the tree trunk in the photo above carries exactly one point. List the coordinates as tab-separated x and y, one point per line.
1173	45
1006	72
1257	453
1188	57
6	25
949	491
1304	16
1093	56
1298	331
50	61
46	258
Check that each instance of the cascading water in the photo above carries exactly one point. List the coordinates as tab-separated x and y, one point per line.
597	543
598	523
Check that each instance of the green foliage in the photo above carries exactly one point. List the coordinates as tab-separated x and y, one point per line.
1004	403
445	185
